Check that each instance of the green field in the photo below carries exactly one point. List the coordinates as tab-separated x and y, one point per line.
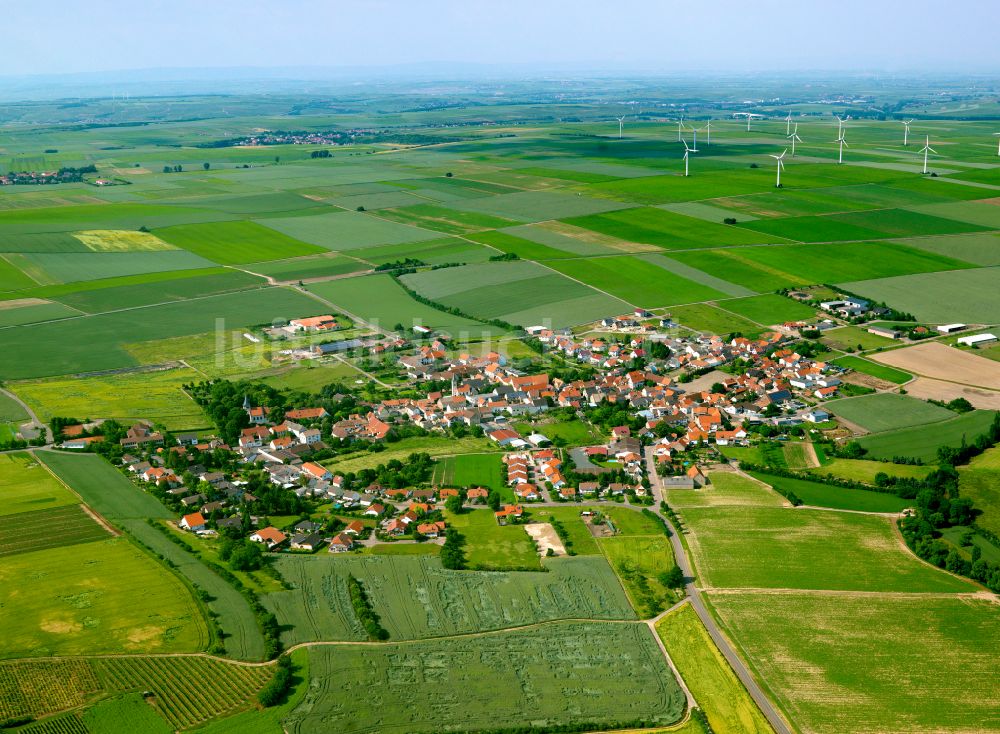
34	313
980	482
114	497
126	398
229	243
638	561
637	281
862	470
95	343
769	309
923	442
806	549
715	687
415	598
888	412
726	488
930	297
69	267
348	230
112	599
302	268
26	485
608	674
185	690
379	300
56	527
432	445
816	494
855	337
472	470
866	366
492	547
845	663
709	318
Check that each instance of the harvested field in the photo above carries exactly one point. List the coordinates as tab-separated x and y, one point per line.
945	363
926	388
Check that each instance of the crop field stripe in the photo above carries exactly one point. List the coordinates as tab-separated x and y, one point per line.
53	528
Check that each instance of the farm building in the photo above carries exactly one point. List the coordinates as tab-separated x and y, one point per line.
950	328
887	331
978	340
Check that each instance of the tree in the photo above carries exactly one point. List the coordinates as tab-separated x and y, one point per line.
206	165
454	504
167	169
718	388
674	578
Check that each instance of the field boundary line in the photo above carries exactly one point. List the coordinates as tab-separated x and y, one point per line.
848	593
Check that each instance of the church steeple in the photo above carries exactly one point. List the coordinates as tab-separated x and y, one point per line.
246	402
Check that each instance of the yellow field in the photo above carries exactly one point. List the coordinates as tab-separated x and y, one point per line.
708	676
126	397
117	240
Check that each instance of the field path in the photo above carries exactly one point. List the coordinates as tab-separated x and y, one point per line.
35	422
812	461
721	641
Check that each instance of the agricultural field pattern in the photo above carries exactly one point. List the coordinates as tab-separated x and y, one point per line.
502	408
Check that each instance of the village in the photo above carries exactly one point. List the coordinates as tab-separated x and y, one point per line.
692	394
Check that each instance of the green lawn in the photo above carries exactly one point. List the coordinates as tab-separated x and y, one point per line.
492	547
866	366
639	561
980	482
861	470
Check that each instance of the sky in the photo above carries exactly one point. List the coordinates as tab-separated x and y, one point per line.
65	36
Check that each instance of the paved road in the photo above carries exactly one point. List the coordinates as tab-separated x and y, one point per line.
35	422
776	720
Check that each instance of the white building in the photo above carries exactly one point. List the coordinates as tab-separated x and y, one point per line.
978	340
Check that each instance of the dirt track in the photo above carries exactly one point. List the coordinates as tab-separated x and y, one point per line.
927	388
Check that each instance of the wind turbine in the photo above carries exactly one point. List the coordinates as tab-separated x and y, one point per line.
927	149
680	128
906	131
788	125
843	144
621	125
708	131
998	144
687	154
781	165
840	127
694	147
793	137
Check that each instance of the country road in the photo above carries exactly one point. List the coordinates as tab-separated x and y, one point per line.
36	423
775	718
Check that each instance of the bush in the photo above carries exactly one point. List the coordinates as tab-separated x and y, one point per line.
275	690
365	612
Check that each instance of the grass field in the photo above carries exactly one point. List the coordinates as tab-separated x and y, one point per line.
708	318
708	676
125	714
806	549
112	599
888	412
581	541
841	498
492	547
980	482
768	309
416	598
862	470
348	230
923	442
726	488
301	268
607	674
26	485
881	371
472	470
127	398
69	267
432	445
638	561
845	663
111	240
230	243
